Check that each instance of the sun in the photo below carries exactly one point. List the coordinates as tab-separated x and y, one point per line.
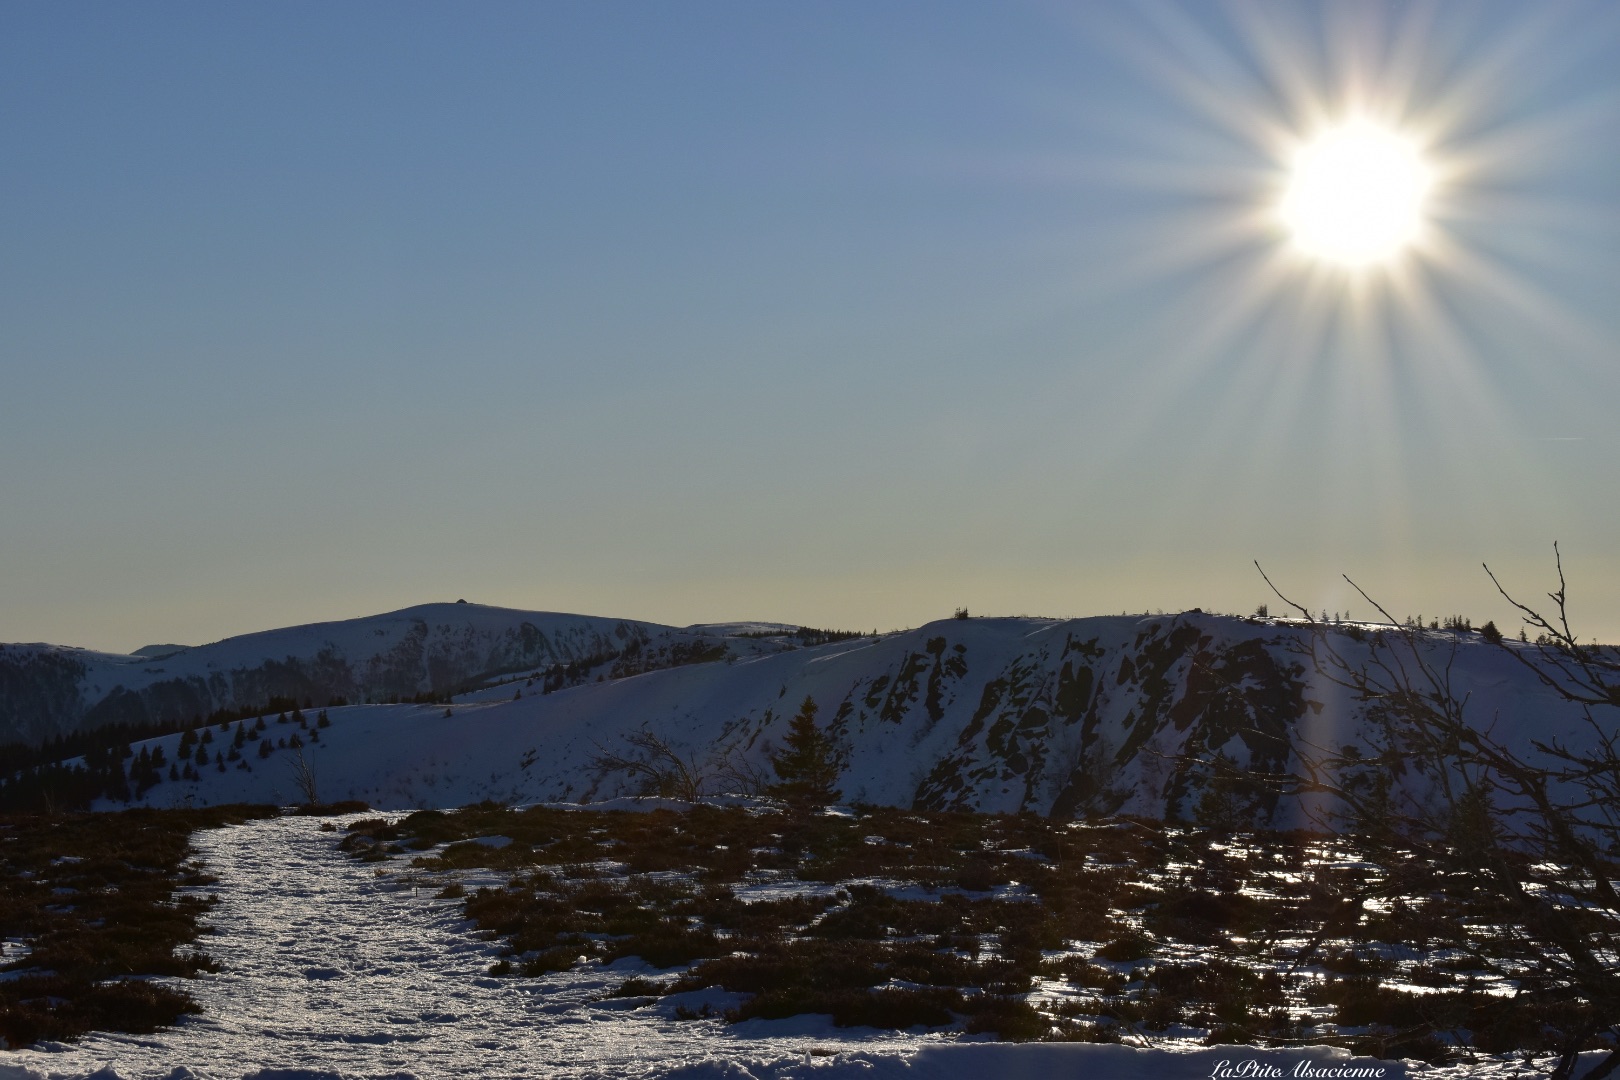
1356	195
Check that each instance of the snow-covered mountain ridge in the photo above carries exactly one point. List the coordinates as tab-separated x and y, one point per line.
431	649
1108	714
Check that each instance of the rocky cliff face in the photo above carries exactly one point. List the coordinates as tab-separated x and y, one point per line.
1054	727
1102	715
39	692
1076	717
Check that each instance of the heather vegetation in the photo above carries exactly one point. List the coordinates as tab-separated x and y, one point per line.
1020	926
90	915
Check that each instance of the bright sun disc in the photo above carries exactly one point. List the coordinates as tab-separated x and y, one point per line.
1356	195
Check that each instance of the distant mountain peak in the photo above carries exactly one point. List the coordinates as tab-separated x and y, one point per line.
158	652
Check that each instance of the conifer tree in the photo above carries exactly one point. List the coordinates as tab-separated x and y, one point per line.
808	764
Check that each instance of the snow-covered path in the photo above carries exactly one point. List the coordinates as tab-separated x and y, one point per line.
333	968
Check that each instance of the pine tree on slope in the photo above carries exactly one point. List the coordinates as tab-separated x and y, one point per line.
808	764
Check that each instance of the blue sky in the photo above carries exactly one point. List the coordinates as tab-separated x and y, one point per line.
845	314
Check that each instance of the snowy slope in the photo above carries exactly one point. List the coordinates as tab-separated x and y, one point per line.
46	690
1116	714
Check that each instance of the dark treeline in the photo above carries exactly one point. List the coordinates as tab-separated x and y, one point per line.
807	635
561	676
57	786
426	697
72	771
635	660
15	755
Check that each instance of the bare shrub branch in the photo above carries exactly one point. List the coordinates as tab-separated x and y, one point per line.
1530	832
657	765
303	776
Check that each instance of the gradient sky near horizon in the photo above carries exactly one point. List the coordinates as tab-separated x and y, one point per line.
844	314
